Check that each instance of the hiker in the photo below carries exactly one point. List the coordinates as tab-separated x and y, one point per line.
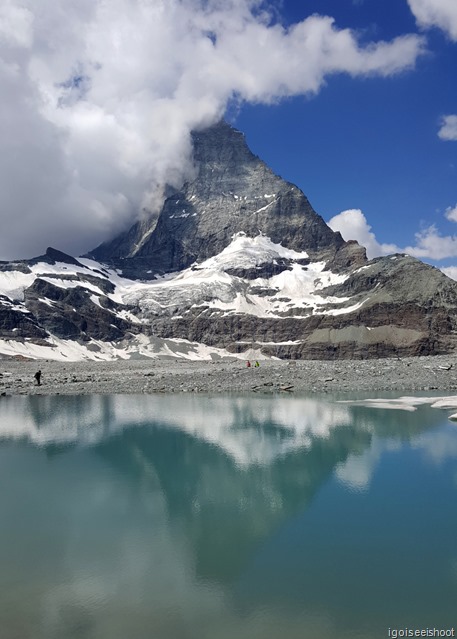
38	378
257	364
248	364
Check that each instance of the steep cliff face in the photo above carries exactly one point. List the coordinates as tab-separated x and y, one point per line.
233	191
236	260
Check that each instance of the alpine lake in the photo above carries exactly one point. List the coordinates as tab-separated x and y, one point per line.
222	517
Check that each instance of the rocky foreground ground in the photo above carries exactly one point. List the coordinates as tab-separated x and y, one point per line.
178	376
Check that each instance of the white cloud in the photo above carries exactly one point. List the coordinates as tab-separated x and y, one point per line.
353	225
15	24
431	244
98	99
436	13
451	213
448	130
450	271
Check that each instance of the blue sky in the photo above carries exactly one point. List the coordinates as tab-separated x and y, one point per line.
370	143
345	98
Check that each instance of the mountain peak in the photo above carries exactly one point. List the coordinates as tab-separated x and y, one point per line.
52	256
232	191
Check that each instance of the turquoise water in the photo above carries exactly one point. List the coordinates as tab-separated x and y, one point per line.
188	517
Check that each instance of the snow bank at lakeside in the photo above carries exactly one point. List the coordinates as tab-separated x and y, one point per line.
408	403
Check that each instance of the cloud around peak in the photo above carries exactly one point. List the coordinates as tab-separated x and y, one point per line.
98	100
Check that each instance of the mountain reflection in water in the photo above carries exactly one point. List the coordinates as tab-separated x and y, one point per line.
161	515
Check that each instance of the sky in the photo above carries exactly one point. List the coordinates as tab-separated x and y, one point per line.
354	101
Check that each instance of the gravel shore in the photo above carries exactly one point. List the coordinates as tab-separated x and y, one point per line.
178	376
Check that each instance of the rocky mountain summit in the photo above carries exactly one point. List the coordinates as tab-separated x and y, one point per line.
236	262
233	192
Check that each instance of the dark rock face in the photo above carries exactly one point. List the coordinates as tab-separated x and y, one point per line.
233	191
73	315
17	325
